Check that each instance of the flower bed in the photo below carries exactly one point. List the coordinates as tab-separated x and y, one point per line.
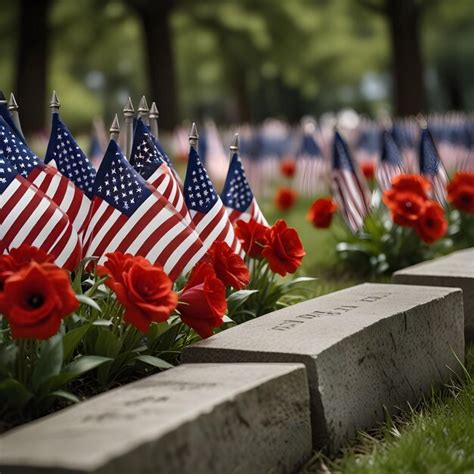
65	336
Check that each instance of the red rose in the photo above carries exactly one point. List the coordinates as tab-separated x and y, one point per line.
202	303
144	290
229	267
285	198
368	169
7	268
461	192
284	250
288	168
432	224
406	207
25	254
412	183
321	212
252	236
36	299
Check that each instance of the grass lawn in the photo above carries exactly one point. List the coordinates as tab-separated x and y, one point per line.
436	437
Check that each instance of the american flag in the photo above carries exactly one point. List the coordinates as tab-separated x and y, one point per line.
237	196
391	162
64	154
129	216
311	167
27	216
151	164
431	166
47	179
205	206
349	188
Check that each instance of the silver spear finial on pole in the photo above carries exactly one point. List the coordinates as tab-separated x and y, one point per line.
143	110
54	104
115	128
13	108
235	145
153	118
194	137
128	113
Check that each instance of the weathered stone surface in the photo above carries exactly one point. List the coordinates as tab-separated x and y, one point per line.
205	418
455	270
364	348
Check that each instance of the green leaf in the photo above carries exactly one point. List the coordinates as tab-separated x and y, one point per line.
8	353
89	302
63	394
238	298
72	339
154	361
102	322
13	393
75	369
49	362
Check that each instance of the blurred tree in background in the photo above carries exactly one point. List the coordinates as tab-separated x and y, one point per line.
236	60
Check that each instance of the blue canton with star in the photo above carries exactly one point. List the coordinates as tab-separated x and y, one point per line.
237	193
199	193
118	183
7	173
145	157
428	155
341	158
16	152
390	152
69	158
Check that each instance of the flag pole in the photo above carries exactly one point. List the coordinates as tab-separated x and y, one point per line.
115	128
13	108
128	113
143	110
194	137
153	119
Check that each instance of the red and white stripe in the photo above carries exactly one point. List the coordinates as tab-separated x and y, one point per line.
165	182
311	175
215	225
352	197
252	213
154	231
68	197
27	216
385	173
439	181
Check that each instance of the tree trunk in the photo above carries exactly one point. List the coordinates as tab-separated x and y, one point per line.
31	68
155	17
404	17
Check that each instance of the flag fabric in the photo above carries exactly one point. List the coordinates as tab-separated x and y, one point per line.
207	211
237	196
64	153
27	216
46	178
130	216
431	166
390	164
311	167
151	164
349	189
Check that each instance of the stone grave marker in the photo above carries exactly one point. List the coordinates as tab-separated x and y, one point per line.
365	348
455	270
204	418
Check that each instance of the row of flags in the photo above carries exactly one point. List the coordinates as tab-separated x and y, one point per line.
140	204
351	190
137	205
